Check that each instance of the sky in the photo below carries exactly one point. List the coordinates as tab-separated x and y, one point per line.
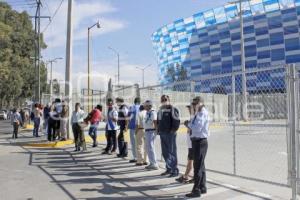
126	26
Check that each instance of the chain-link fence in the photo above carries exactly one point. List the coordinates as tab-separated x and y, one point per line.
252	146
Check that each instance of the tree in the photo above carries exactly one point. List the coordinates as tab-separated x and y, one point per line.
177	74
17	45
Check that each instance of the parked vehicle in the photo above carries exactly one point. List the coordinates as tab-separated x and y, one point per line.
3	115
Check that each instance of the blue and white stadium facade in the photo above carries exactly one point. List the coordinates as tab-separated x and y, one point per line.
208	43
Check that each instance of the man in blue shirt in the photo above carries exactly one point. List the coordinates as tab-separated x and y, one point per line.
199	128
132	114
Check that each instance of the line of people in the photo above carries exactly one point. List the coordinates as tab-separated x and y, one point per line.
144	124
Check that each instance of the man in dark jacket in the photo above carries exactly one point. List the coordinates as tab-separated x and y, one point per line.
122	122
168	124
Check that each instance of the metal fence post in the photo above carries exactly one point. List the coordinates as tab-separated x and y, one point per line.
293	138
234	126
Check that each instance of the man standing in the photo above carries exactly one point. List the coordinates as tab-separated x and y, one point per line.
94	118
111	128
168	124
16	121
199	128
150	126
122	122
77	121
64	121
133	112
46	117
37	114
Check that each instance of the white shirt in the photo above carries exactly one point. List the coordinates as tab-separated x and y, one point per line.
199	124
149	119
77	117
112	125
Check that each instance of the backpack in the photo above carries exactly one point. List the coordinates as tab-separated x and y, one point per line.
175	122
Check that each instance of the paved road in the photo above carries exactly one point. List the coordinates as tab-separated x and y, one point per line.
39	173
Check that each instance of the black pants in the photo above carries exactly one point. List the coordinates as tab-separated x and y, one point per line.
121	143
16	130
79	138
51	130
199	150
111	140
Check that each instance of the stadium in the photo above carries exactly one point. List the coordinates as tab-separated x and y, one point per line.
209	44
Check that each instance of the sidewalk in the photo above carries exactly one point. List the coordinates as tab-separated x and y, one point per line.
44	172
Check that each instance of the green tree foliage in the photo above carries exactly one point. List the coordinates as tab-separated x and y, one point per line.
177	74
17	45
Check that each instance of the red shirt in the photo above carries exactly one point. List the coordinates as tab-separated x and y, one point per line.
96	116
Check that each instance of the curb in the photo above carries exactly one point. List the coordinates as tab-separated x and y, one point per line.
58	144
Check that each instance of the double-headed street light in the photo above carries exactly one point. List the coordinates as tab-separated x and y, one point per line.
89	80
51	70
118	55
143	72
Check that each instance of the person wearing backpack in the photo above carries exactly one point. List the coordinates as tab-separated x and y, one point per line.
168	124
122	122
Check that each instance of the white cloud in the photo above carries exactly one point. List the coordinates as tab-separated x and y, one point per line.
84	15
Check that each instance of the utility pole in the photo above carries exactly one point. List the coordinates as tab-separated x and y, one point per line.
89	79
243	61
51	71
37	52
118	56
68	75
143	73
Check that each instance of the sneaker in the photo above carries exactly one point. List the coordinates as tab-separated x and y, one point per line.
104	152
63	139
173	175
132	161
181	179
152	167
139	164
193	194
203	190
95	145
165	173
145	163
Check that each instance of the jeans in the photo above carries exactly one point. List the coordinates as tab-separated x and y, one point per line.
93	133
36	127
132	142
150	138
200	149
111	141
169	151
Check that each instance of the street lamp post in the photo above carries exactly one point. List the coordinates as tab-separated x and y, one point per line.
143	72
243	61
51	70
118	55
89	80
